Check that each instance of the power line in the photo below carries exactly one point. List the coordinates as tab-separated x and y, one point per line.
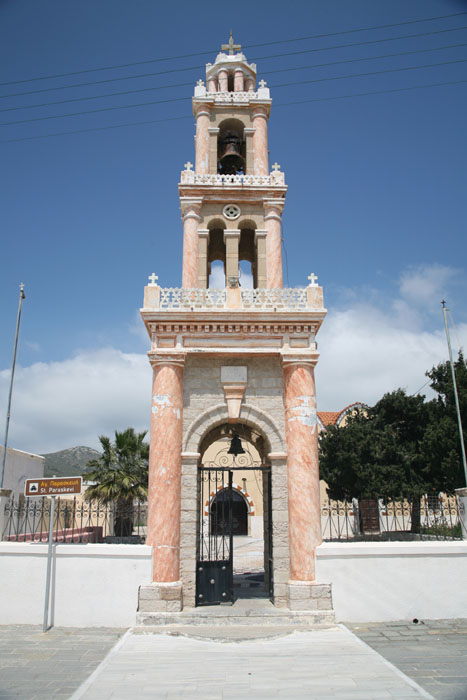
179	99
279	70
189	116
245	46
279	55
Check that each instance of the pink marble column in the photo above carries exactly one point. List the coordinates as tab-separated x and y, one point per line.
212	85
260	142
165	468
273	223
239	81
202	141
302	468
190	211
223	78
250	84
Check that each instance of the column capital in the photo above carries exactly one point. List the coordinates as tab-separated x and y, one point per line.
203	233
203	108
191	206
158	359
231	233
260	111
274	206
290	359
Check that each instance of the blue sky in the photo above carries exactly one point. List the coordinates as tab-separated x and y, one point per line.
376	202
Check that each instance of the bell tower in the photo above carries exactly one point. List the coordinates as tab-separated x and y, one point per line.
240	354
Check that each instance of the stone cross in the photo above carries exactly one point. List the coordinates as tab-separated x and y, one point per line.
313	279
231	47
262	83
276	167
153	278
200	83
188	166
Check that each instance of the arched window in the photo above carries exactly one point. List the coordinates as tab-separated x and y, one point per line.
231	151
220	513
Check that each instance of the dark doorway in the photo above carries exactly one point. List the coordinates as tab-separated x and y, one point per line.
239	516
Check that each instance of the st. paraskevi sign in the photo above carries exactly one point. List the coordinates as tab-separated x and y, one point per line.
55	486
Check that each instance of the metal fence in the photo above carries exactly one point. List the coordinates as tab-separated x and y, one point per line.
75	521
79	521
434	517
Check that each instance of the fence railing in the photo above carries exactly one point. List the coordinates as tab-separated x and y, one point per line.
394	518
75	521
78	521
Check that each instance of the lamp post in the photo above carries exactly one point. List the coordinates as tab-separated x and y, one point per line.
7	423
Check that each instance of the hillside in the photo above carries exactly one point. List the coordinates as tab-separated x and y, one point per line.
70	462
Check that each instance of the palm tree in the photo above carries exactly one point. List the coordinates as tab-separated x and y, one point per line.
120	475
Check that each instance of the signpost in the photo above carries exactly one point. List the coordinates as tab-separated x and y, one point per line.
55	486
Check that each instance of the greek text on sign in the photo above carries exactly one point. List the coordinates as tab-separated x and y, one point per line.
55	486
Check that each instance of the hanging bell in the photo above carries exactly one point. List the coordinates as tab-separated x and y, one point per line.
236	447
231	161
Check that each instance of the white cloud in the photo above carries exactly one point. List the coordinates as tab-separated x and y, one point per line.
61	404
424	284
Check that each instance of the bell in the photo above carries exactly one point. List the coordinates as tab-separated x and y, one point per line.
231	160
236	447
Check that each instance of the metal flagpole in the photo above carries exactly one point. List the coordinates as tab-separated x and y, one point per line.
5	441
456	396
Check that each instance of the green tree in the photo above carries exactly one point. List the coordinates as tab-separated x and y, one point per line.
442	450
378	452
120	475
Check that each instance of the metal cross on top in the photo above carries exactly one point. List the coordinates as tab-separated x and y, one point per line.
231	47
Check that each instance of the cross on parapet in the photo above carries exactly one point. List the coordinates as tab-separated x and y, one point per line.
262	83
231	47
276	167
153	278
313	279
200	83
188	166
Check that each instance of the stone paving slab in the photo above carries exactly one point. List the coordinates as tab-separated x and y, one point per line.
47	665
329	664
434	652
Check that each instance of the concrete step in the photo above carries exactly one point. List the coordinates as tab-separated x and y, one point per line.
215	616
227	633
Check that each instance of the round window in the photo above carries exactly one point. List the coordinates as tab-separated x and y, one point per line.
231	211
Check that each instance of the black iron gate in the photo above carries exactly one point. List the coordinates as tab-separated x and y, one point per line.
214	565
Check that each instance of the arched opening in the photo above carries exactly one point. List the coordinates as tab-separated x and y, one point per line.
216	255
247	254
231	148
234	511
227	504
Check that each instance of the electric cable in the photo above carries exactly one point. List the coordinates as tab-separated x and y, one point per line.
189	116
179	99
278	70
245	46
259	58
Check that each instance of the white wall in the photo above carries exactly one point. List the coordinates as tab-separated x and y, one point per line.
97	584
94	585
395	580
19	466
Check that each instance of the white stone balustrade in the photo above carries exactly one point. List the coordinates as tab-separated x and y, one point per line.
188	177
182	299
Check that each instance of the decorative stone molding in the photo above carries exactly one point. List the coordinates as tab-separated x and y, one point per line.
189	177
158	359
250	415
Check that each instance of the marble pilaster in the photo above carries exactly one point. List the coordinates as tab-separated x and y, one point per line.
165	464
191	207
302	468
260	142
202	140
273	220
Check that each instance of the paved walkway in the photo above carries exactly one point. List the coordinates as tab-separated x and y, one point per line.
319	664
433	652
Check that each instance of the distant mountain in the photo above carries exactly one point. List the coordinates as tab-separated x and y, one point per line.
70	462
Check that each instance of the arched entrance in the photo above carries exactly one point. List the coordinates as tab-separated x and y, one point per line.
234	551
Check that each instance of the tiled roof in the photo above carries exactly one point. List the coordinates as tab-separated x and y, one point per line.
328	417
